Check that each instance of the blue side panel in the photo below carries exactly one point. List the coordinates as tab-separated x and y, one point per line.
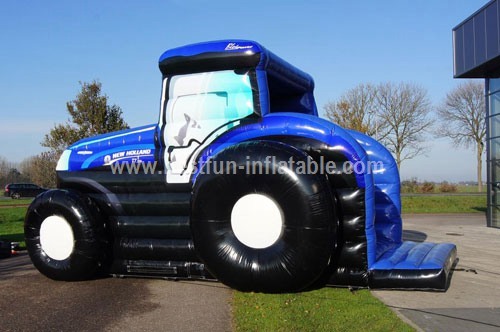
302	125
282	76
295	77
132	146
400	264
388	223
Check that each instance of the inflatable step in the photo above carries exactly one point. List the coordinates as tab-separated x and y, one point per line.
414	265
160	269
155	249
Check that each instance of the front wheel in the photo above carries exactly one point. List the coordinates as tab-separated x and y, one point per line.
270	229
64	237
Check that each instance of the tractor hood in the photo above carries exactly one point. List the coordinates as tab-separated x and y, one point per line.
133	145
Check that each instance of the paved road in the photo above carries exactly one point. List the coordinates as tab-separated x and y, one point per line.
472	302
31	302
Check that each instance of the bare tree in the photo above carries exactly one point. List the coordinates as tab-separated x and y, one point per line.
462	115
356	110
404	109
4	171
41	169
394	113
9	172
27	168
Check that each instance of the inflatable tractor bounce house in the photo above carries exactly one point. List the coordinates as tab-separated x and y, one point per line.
239	181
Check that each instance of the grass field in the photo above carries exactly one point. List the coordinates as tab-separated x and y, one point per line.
443	204
326	309
469	189
11	224
24	201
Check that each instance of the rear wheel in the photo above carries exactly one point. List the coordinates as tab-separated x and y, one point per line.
271	231
64	236
16	196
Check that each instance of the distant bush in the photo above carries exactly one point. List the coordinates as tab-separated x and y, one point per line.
446	187
426	187
409	186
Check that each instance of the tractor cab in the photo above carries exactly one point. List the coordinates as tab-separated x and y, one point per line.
209	88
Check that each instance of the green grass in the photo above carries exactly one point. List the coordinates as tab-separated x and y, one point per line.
443	204
11	224
326	309
469	189
24	201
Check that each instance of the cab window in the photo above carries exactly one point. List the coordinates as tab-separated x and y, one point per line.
218	97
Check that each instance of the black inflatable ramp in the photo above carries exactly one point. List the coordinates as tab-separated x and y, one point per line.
414	265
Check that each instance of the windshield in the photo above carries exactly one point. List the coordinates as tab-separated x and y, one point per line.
210	95
197	109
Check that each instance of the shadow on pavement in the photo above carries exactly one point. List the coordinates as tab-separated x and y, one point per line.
16	264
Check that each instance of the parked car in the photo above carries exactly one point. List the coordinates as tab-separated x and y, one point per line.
18	190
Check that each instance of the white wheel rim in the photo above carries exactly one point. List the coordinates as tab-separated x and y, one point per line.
257	221
56	238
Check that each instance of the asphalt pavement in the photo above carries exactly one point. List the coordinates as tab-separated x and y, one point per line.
472	302
31	302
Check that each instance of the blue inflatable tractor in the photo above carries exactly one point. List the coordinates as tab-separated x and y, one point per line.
239	181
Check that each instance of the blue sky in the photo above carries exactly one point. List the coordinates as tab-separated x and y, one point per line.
47	47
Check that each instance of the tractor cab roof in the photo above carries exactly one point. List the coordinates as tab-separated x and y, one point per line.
289	88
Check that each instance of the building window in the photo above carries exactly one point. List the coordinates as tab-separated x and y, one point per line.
493	123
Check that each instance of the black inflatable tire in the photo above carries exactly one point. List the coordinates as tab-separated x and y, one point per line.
305	246
89	244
